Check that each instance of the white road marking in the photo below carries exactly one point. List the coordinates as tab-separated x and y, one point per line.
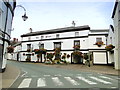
41	82
106	77
58	75
46	75
23	75
72	81
25	83
85	80
57	81
34	76
100	80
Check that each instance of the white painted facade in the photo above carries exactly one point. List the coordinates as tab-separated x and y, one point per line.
116	21
86	37
6	17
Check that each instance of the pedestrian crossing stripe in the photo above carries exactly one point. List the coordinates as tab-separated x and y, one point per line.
41	82
86	80
100	80
104	77
72	81
57	81
25	83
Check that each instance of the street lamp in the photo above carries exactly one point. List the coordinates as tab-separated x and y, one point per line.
24	17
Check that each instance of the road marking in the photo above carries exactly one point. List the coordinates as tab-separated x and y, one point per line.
72	81
46	75
34	76
23	75
58	75
57	81
106	77
85	80
25	83
100	80
41	82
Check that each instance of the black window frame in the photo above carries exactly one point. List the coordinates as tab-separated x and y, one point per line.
57	43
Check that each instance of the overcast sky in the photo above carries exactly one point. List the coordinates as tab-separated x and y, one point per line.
44	15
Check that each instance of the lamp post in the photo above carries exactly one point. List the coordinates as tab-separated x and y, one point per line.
24	17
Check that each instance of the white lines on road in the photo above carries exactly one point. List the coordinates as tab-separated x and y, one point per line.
25	83
57	81
41	82
46	75
72	81
23	75
58	75
85	80
100	80
106	77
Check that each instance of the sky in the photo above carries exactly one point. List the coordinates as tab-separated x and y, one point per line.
52	14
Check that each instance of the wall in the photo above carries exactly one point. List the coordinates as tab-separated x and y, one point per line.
6	17
116	21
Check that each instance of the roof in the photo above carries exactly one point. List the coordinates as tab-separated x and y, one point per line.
115	7
18	43
99	30
58	30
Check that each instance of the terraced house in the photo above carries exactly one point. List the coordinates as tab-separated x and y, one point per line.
90	42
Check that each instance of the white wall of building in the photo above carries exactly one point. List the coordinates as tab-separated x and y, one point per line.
116	21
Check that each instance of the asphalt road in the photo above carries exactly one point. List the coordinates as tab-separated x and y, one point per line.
39	76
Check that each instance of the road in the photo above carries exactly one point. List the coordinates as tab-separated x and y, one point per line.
41	76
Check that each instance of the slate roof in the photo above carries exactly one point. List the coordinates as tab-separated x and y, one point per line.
58	30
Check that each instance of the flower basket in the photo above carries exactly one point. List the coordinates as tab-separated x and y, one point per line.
10	49
40	51
28	50
32	54
76	47
23	54
50	56
99	43
109	47
68	56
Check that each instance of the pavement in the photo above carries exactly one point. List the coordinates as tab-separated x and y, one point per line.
12	73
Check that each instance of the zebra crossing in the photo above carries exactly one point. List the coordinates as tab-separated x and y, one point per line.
57	80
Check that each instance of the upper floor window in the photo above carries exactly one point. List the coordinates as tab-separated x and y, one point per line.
28	46
57	35
76	34
42	37
76	42
98	39
57	44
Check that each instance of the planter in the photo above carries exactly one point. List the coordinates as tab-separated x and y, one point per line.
99	45
10	49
